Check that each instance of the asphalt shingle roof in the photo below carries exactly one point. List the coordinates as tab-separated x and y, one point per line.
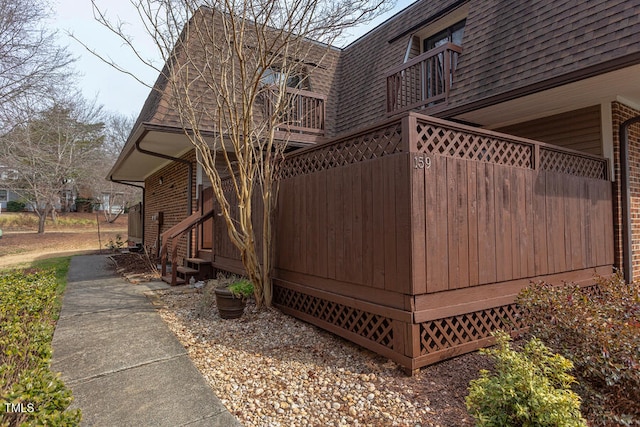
512	44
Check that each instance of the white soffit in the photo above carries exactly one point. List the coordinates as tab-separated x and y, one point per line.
592	91
137	166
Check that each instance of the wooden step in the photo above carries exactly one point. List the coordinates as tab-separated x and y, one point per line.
167	279
203	267
197	261
187	270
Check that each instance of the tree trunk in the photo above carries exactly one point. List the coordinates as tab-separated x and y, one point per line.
111	218
42	218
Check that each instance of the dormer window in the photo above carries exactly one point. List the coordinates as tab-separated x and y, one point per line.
273	76
452	34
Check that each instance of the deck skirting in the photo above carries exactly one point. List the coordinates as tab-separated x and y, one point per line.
412	338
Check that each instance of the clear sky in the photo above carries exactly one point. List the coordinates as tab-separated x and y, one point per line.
116	91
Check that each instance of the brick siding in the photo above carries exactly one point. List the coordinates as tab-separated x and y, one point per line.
620	113
170	198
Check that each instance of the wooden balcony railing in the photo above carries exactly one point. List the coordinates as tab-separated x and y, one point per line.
423	81
305	112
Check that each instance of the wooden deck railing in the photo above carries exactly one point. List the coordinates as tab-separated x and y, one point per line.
422	81
305	112
412	237
436	136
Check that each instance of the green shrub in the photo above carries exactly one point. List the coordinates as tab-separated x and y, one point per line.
597	328
529	388
28	309
15	206
115	245
242	288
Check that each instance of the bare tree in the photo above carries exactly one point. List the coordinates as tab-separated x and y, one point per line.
114	198
31	63
51	153
228	64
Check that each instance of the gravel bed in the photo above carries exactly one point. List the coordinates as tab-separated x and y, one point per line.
270	369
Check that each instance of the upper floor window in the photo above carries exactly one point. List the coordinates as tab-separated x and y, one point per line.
273	76
3	195
452	34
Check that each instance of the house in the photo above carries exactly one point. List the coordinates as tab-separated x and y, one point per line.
6	196
10	191
467	148
7	178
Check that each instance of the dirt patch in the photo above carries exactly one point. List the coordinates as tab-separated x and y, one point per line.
26	245
136	267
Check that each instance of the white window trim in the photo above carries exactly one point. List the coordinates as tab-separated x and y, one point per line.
443	23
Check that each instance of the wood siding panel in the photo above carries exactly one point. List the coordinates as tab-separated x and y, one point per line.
322	215
345	237
401	166
285	228
389	229
516	193
310	241
301	227
504	251
355	257
487	263
332	221
438	262
457	223
377	181
368	241
419	202
350	224
555	222
472	209
541	260
578	130
487	223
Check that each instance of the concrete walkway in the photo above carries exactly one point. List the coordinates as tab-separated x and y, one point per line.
124	366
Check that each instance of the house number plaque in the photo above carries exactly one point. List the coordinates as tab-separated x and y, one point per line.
421	162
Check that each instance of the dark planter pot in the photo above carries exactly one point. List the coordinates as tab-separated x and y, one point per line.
229	306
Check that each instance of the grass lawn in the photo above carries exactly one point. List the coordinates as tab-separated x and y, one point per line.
30	302
29	221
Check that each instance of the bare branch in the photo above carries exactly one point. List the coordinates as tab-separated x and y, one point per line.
234	69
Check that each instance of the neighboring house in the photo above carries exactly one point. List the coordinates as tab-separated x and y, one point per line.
9	191
409	234
6	193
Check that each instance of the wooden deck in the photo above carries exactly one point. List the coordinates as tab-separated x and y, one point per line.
413	237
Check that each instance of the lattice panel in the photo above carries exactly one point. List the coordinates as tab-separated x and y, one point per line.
452	331
557	161
455	143
378	143
368	325
227	184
